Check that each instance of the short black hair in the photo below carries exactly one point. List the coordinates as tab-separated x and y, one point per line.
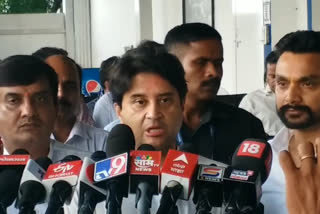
272	58
300	42
45	52
106	68
24	70
151	59
282	41
190	32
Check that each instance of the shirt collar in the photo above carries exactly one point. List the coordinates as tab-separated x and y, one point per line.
77	130
268	90
281	141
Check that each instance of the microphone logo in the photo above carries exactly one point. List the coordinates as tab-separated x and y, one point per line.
64	167
145	162
210	173
182	158
241	174
251	149
61	170
14	159
111	167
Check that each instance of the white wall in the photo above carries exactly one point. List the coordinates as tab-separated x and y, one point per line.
25	33
240	24
114	26
166	15
316	15
225	24
287	16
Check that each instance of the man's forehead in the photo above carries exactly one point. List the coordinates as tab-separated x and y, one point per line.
142	82
296	65
36	87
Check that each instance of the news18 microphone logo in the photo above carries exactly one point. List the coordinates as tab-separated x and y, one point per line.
110	167
251	149
145	162
242	175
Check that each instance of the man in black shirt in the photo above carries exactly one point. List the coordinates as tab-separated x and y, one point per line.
213	129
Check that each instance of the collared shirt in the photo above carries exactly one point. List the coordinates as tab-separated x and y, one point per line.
111	125
104	112
87	138
204	145
273	190
262	104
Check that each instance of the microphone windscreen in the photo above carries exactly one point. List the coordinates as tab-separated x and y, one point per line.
253	154
9	186
31	192
146	147
120	140
44	162
70	158
98	156
20	152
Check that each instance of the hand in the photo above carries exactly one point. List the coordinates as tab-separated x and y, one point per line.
302	184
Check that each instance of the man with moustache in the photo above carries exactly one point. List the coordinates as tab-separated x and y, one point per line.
297	99
28	109
211	129
67	128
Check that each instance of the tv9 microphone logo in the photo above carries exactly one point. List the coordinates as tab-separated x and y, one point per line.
251	149
110	167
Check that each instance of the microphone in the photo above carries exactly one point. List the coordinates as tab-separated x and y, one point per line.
250	167
144	176
176	179
59	180
112	173
90	194
10	176
208	189
31	181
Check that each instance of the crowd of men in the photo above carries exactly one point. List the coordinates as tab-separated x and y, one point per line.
166	94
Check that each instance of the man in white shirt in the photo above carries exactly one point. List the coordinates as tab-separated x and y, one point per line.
262	102
297	98
104	112
67	128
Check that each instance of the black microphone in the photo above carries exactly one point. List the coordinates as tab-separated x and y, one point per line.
59	181
90	194
208	188
112	173
250	167
144	176
177	175
12	167
31	191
